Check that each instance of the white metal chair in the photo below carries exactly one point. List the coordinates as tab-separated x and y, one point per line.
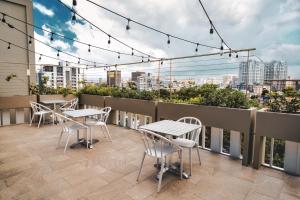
69	127
69	105
101	122
159	147
191	139
40	110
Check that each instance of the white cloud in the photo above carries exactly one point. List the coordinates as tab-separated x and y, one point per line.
43	9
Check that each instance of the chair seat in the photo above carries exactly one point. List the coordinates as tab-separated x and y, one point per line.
94	123
75	127
42	112
185	142
67	109
167	149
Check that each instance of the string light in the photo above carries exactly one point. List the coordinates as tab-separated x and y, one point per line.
74	3
3	18
8	46
119	56
30	40
108	42
230	53
237	56
168	39
74	17
211	30
95	64
197	47
78	60
221	48
40	58
51	38
67	63
148	58
89	50
142	59
132	53
57	53
162	62
127	26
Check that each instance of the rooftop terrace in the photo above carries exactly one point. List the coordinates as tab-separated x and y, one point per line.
32	168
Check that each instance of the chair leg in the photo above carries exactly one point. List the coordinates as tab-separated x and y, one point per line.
190	157
161	174
59	139
138	177
91	136
107	132
41	116
102	131
67	142
198	152
32	119
181	163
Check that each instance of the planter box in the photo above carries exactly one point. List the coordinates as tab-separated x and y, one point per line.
283	126
137	106
92	100
55	96
241	120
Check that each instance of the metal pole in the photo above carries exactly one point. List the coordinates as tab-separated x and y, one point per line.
157	80
247	77
181	57
171	83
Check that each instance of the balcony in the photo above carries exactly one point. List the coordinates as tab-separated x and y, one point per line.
29	155
32	168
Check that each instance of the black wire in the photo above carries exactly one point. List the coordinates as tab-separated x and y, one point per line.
41	54
151	28
74	40
13	27
109	35
212	24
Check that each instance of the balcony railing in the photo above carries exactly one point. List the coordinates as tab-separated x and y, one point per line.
259	138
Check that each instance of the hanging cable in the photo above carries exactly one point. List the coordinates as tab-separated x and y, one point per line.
97	27
67	38
149	27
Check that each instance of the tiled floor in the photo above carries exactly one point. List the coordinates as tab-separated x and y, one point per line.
32	168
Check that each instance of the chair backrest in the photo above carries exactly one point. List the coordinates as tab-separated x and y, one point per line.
155	144
193	135
105	115
73	103
36	107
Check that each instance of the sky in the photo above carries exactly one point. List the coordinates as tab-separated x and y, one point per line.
270	26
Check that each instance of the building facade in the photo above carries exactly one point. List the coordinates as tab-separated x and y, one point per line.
23	73
135	75
113	78
252	75
275	70
61	76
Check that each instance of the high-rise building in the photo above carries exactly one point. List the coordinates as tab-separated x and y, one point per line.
275	70
252	75
114	78
145	82
61	76
135	75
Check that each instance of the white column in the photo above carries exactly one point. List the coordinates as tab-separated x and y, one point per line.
6	117
235	144
130	117
142	120
122	118
135	122
216	139
292	157
203	136
20	116
0	117
116	118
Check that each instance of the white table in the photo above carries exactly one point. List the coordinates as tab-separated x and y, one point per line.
83	113
173	129
54	102
169	127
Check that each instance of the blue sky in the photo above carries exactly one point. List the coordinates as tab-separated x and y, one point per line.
270	26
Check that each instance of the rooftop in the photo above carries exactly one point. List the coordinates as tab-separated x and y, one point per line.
32	168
